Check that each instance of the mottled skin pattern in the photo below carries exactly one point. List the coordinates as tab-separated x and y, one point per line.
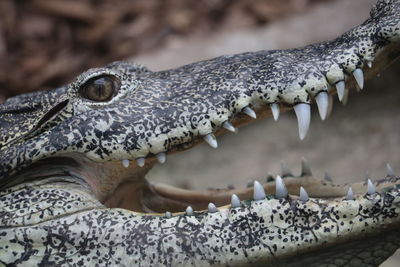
75	228
53	213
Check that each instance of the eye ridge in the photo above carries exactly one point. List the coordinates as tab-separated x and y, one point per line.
100	88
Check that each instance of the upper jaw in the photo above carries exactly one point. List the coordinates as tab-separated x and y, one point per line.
185	134
199	101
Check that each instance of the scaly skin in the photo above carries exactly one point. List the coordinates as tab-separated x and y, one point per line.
61	172
53	223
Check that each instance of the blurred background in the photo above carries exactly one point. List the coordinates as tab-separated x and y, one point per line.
45	44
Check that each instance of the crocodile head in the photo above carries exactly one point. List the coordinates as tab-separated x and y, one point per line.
94	140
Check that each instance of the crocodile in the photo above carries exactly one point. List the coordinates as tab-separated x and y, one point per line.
73	162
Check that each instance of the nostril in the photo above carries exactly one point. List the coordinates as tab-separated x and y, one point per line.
51	113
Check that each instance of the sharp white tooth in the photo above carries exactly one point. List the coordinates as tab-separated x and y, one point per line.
369	64
303	194
327	176
371	188
389	170
249	112
140	161
211	140
280	188
235	201
285	170
349	195
340	87
125	163
161	157
212	208
168	214
305	168
189	211
227	125
303	114
259	193
322	100
359	76
275	110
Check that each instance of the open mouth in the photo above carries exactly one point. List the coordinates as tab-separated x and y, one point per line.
160	199
115	170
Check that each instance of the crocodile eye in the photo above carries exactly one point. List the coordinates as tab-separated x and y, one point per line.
101	88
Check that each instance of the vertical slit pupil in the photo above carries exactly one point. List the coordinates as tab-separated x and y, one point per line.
100	85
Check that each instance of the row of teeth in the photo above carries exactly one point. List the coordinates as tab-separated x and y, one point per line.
280	193
306	171
302	111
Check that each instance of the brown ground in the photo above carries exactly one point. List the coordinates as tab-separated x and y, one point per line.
43	44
